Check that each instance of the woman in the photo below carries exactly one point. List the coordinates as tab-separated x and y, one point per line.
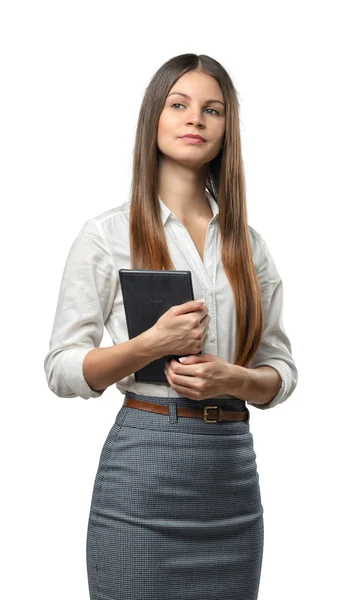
176	508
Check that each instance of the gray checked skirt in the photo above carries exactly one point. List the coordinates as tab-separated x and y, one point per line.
176	510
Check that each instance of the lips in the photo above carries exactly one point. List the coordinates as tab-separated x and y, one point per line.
196	137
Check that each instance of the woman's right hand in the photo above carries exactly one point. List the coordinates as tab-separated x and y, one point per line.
182	329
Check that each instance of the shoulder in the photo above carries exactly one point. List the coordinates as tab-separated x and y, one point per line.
262	257
257	245
110	223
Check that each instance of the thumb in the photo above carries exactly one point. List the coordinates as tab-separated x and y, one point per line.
190	359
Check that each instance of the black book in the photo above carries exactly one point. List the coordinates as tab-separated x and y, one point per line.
147	295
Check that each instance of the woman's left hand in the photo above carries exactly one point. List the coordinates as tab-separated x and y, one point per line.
203	376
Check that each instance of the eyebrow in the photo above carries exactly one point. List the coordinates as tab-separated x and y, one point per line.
186	96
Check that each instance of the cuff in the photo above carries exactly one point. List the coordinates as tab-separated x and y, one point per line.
284	372
72	370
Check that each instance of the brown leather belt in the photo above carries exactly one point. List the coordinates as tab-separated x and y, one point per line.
209	413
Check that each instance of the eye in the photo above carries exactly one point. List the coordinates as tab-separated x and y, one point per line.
179	104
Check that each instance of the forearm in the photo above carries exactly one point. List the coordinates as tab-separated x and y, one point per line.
102	367
258	385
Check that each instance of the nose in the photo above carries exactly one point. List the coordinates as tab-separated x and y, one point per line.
196	120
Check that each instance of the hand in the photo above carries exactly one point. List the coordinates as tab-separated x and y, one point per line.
181	330
202	376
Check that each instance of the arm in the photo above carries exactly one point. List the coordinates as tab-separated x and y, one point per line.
75	364
85	300
102	367
258	383
86	294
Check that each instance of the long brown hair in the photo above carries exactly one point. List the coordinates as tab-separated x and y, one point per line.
224	181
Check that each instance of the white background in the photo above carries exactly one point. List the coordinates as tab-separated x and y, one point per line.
73	75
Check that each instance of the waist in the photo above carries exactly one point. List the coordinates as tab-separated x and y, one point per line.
210	410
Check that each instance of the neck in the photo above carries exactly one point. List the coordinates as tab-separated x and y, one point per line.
182	189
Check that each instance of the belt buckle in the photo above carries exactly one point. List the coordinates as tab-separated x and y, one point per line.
205	415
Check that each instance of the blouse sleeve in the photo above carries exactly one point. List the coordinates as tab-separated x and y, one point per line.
84	303
275	347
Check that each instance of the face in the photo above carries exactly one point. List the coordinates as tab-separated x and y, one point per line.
194	114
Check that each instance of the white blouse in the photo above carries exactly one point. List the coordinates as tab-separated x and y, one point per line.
90	298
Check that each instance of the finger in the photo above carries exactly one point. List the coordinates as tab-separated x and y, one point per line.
197	358
189	306
187	367
186	392
189	360
188	381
